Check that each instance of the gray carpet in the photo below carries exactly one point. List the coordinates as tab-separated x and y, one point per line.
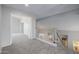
23	45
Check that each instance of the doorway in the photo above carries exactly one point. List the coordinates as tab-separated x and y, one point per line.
23	26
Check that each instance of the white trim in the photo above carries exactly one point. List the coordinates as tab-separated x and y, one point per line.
4	45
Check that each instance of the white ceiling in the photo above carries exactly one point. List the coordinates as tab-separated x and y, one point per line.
43	10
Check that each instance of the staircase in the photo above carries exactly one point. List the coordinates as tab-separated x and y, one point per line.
58	40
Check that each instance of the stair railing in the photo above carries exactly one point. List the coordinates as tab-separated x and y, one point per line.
60	39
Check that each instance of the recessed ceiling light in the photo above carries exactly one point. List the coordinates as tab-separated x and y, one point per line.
27	5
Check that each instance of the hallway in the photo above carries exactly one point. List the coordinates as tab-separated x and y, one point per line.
23	45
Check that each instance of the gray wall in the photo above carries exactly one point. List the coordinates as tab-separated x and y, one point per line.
67	22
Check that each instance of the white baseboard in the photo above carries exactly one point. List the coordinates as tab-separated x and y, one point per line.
52	44
4	45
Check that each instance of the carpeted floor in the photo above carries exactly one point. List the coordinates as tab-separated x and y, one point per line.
23	45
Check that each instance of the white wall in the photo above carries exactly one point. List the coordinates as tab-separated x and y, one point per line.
24	24
0	28
69	22
34	24
6	38
0	22
5	26
21	27
17	26
66	21
29	27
